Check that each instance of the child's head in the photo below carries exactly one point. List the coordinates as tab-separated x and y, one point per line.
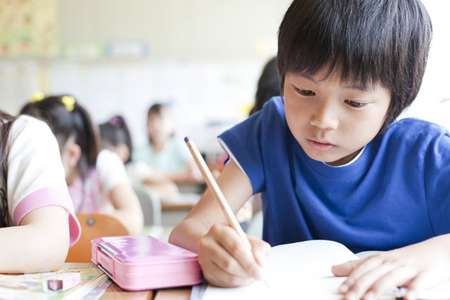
73	128
348	68
362	42
160	124
116	137
268	85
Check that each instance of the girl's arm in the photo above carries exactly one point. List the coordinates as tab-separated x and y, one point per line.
127	208
39	244
222	255
114	179
416	267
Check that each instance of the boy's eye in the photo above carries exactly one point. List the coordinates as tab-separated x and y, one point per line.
355	104
304	92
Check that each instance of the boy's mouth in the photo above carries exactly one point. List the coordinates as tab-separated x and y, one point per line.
321	146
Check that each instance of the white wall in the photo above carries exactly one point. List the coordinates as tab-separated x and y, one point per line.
204	55
211	28
430	104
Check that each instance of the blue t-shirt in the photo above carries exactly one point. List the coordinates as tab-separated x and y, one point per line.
395	194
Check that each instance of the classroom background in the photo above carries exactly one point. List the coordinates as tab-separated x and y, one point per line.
204	57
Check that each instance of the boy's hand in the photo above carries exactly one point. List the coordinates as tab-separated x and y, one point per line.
225	260
416	267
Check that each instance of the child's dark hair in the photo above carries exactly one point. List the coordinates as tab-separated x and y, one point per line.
364	41
115	132
268	85
67	118
5	128
156	109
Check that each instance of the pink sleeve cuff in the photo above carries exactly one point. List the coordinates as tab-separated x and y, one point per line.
48	197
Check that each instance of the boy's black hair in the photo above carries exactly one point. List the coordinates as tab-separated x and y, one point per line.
268	85
363	41
5	128
65	124
115	132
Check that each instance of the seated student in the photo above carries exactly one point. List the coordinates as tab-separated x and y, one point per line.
116	137
164	153
37	219
97	180
330	159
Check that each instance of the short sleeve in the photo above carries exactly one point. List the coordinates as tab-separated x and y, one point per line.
437	182
35	173
111	170
259	142
242	144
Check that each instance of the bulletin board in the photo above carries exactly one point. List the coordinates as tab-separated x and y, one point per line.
28	28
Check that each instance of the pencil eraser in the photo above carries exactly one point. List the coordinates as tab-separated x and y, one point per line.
186	139
62	281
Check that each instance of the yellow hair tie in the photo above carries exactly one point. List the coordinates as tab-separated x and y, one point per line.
37	96
69	102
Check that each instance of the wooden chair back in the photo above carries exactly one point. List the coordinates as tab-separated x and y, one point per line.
93	226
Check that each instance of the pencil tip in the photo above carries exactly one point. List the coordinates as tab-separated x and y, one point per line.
186	139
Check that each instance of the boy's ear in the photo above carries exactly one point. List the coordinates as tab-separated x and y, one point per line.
123	152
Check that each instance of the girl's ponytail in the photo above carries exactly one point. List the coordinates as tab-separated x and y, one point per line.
87	137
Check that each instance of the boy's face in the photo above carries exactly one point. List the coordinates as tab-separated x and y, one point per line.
333	121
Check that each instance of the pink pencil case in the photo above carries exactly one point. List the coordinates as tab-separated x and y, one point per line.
138	263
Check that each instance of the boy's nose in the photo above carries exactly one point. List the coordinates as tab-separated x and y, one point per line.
324	117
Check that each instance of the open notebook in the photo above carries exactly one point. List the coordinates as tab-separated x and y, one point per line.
303	271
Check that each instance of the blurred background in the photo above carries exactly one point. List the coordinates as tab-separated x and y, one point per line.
204	57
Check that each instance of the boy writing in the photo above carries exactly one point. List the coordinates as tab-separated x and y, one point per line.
329	159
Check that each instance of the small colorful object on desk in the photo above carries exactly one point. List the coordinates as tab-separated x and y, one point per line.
61	282
137	263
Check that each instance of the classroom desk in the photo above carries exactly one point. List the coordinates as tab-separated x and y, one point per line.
172	214
174	211
115	292
191	186
177	206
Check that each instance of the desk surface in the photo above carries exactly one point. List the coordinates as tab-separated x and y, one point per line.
176	206
115	292
191	186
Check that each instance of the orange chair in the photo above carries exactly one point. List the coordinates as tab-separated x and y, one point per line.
93	226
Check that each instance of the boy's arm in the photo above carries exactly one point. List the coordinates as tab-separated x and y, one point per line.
39	244
222	255
417	267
